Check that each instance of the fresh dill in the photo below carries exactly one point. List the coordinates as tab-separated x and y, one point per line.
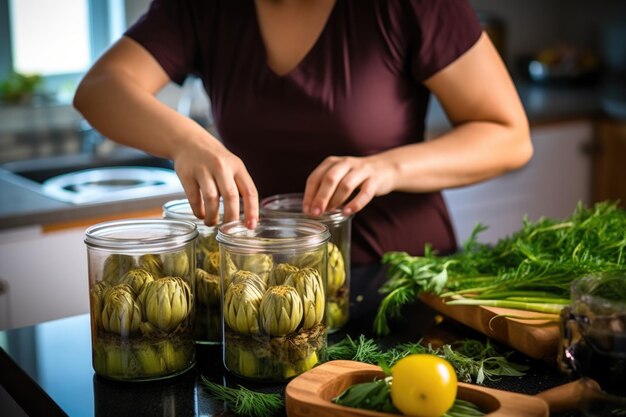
472	360
245	402
535	265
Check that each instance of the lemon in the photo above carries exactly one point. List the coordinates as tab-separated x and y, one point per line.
423	385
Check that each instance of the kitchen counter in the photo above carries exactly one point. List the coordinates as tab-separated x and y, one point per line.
21	205
46	368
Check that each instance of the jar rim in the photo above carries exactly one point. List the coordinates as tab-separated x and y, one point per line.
290	205
141	235
274	234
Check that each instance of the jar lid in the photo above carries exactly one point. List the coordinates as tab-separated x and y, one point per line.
141	235
290	205
274	234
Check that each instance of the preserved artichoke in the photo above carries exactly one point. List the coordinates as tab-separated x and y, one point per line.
150	360
137	278
121	313
207	288
336	277
96	295
281	310
166	302
115	266
300	366
152	264
281	272
212	264
175	356
308	283
309	260
241	308
176	264
250	278
260	264
337	315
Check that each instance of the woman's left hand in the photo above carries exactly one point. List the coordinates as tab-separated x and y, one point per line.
348	182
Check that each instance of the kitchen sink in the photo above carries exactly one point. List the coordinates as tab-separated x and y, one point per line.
87	179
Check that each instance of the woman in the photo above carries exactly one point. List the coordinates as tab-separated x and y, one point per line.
325	96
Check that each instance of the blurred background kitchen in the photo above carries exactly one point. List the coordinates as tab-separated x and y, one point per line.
567	57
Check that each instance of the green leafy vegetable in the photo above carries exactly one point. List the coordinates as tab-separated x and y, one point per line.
244	401
368	395
472	360
537	263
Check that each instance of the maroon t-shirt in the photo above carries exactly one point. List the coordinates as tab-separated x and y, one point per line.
357	92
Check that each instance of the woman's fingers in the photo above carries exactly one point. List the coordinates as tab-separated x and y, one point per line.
249	198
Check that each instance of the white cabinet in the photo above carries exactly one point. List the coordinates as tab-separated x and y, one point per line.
553	182
45	273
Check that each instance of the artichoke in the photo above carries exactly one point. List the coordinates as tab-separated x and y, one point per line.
308	283
281	272
121	313
176	264
259	263
309	259
207	288
206	243
301	366
281	310
212	264
152	264
337	315
96	295
136	278
250	278
166	302
336	277
241	308
176	357
151	362
115	266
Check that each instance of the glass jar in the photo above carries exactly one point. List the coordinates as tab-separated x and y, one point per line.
593	342
141	298
340	228
274	299
208	323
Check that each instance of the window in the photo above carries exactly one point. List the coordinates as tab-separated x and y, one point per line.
58	39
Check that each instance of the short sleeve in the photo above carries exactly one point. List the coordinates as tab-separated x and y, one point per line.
168	31
446	29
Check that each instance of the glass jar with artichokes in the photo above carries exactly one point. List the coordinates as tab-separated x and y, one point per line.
273	310
142	319
208	328
340	228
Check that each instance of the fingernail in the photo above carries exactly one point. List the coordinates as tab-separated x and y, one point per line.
316	211
251	224
347	211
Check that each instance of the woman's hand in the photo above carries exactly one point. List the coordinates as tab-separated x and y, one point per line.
117	97
347	182
208	171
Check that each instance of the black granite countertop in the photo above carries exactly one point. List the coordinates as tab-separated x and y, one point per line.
46	369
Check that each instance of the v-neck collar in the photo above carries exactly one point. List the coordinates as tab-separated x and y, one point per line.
307	55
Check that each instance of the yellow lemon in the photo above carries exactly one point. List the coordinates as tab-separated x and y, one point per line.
423	385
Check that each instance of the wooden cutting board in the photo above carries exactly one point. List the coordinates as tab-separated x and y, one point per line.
310	394
538	339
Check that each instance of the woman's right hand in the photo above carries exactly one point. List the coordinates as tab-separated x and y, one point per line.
117	97
208	171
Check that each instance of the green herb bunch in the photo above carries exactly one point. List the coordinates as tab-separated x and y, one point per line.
532	269
245	402
472	360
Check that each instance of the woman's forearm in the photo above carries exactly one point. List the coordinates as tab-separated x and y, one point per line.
122	111
472	152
